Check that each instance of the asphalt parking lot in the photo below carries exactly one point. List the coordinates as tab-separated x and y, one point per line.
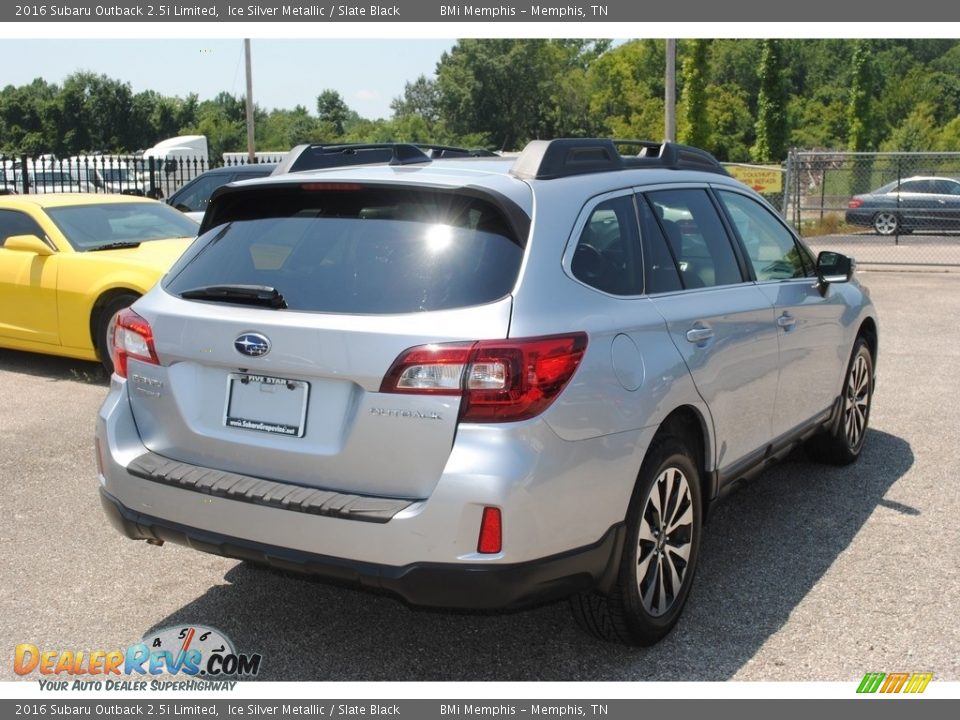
810	573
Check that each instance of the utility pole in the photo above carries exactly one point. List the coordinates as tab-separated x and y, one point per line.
251	145
670	93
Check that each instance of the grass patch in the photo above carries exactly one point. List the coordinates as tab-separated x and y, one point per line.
829	224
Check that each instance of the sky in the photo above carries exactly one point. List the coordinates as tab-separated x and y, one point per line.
367	73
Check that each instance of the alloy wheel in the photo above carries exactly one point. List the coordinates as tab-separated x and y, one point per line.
856	401
665	541
885	223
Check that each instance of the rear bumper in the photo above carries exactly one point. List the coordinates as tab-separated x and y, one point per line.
477	586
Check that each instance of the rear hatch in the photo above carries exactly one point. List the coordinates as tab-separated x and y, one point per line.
275	334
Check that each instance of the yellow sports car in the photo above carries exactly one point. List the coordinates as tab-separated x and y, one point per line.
70	262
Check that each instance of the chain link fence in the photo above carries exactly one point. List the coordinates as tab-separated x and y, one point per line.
881	208
130	175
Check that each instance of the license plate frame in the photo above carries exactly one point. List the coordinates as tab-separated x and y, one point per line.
285	416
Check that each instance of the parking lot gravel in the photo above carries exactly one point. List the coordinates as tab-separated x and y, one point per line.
808	573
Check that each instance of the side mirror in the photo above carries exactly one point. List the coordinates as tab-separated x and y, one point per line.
28	243
834	267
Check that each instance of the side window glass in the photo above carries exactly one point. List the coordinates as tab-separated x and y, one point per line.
941	187
915	186
607	256
196	197
660	269
16	223
770	246
697	238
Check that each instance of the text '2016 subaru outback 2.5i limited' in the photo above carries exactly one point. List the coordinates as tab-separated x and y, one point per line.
483	383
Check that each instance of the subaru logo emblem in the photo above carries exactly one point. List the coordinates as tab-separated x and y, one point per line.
252	344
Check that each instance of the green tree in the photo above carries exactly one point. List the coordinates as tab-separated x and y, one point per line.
224	121
510	91
731	122
420	98
626	90
332	110
100	111
694	123
917	133
771	142
284	129
859	118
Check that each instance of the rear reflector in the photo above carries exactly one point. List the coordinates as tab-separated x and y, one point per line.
491	532
500	380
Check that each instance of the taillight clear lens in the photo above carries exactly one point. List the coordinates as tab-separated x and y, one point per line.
132	338
500	380
433	369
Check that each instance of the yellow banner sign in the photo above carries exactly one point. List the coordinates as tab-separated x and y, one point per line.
762	178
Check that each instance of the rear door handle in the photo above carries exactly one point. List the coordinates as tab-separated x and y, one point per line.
699	334
787	321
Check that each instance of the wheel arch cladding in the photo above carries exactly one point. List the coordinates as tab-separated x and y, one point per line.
687	423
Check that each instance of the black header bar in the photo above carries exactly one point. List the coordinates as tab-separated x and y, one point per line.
491	11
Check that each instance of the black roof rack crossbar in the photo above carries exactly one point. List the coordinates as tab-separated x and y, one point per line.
565	157
314	156
450	151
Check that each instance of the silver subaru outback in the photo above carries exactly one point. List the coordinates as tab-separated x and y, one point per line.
483	383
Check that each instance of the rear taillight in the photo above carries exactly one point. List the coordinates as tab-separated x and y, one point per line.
132	338
855	203
500	380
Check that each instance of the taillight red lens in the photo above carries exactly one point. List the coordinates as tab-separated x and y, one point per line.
491	531
855	203
500	380
132	338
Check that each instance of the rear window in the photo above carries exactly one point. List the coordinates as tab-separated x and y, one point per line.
355	249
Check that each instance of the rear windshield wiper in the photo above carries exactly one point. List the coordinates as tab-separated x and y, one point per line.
116	245
263	295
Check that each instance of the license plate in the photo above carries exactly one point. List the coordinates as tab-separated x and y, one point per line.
263	403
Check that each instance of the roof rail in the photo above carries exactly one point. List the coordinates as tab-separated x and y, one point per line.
564	157
313	156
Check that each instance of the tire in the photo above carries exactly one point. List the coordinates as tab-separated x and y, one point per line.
886	223
659	554
843	443
103	331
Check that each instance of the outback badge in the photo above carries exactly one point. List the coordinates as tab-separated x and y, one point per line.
252	344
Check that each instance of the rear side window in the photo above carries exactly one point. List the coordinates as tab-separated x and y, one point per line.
607	256
696	237
356	249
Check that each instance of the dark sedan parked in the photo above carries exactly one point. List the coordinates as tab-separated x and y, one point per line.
902	206
194	197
